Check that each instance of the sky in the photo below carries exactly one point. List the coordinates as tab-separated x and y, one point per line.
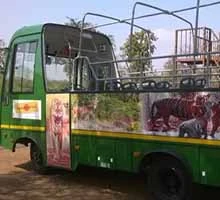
15	14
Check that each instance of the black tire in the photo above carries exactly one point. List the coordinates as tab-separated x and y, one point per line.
168	179
37	159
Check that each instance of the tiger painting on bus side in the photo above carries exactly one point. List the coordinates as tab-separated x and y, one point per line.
58	132
192	114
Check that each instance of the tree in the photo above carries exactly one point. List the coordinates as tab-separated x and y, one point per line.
142	46
78	23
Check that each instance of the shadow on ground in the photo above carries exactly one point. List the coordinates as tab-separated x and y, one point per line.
18	181
85	183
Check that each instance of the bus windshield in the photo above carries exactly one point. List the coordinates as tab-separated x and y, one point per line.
63	71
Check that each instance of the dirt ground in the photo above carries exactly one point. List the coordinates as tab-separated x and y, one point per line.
18	181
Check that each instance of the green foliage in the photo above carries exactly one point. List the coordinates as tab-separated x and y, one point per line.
113	107
79	23
86	99
142	46
54	85
112	110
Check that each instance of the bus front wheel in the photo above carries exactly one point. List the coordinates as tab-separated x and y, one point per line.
169	180
37	159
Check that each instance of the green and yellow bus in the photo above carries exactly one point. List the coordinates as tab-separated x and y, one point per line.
64	96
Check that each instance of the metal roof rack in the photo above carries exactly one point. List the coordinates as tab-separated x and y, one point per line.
194	46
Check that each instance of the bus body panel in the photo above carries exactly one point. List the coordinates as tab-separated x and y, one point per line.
22	112
94	132
127	155
209	165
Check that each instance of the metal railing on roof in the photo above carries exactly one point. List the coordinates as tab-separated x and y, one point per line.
195	41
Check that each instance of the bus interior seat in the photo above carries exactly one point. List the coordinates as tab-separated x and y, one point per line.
113	85
187	83
163	85
148	84
200	83
129	86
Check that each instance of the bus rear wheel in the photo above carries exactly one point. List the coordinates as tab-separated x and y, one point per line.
37	159
169	180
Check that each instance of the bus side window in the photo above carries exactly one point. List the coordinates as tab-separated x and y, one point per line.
23	68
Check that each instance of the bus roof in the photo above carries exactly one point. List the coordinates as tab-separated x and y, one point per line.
37	29
28	30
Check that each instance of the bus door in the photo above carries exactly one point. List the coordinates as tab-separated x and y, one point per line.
58	130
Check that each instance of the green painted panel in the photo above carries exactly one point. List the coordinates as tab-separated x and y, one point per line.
27	30
87	149
210	165
123	154
6	139
117	153
73	152
105	152
9	136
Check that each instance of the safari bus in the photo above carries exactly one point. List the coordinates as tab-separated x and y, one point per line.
64	95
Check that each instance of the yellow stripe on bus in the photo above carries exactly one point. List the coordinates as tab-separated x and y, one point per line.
23	127
120	135
141	136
